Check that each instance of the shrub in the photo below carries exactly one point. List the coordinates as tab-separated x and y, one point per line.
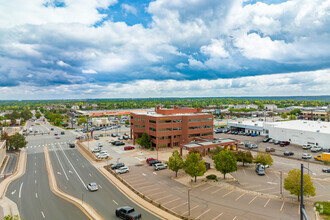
326	162
151	201
152	149
212	177
323	208
159	205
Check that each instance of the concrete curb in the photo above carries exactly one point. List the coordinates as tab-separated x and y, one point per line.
8	206
83	206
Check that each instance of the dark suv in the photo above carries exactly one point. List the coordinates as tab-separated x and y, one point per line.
117	165
152	162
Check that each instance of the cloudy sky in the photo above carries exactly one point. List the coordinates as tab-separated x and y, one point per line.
55	49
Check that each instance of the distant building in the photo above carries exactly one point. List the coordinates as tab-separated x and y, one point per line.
75	107
100	122
270	107
172	127
315	115
246	106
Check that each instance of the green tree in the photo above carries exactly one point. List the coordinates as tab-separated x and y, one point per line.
244	157
9	217
38	115
293	185
264	159
17	141
284	115
292	117
6	137
126	122
295	112
82	121
194	166
225	162
144	141
215	151
175	162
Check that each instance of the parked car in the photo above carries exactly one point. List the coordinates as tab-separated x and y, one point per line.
266	139
111	141
149	159
99	144
101	152
113	135
152	162
52	129
270	149
306	156
127	212
117	165
125	137
118	143
254	134
97	149
129	148
288	153
306	146
271	140
103	156
160	166
316	149
55	134
96	137
326	169
92	187
57	137
260	171
122	170
276	142
284	143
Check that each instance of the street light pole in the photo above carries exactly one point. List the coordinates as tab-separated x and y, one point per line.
189	202
302	192
281	184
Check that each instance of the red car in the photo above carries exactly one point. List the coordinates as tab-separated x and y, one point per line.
55	134
129	148
147	160
77	138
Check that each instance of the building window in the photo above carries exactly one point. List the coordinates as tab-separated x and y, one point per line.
176	144
164	129
177	121
194	120
164	121
152	129
206	119
207	126
176	136
139	126
195	127
162	145
207	134
164	137
194	135
152	121
176	129
138	119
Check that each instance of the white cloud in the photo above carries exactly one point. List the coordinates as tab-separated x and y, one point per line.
215	49
62	63
89	71
128	9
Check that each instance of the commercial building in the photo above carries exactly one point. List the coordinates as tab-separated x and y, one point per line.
172	127
300	132
315	115
248	126
2	151
101	122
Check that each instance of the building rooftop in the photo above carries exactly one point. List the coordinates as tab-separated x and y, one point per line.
303	125
248	123
196	144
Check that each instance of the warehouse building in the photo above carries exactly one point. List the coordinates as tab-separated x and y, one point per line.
248	127
172	127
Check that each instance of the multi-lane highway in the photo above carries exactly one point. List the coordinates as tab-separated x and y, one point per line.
72	171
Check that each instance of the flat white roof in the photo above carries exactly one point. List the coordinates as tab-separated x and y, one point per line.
303	125
248	123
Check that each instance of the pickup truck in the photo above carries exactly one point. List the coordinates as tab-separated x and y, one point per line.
127	213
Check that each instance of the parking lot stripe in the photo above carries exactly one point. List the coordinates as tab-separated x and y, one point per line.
203	213
156	194
252	199
244	172
190	210
163	198
320	184
150	190
140	184
252	186
218	216
138	181
282	206
234	217
142	187
206	188
180	205
227	193
240	196
266	203
263	189
216	190
171	201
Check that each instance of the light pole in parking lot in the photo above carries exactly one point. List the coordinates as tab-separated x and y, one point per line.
281	193
189	202
302	207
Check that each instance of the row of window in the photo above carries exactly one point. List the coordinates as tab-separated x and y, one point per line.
168	137
198	135
175	121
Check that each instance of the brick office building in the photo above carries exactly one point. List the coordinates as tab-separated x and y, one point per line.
172	127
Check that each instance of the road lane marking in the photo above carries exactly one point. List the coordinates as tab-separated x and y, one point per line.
240	196
83	166
218	216
154	173
203	213
100	186
67	178
73	168
253	199
35	181
227	193
35	164
146	186
244	172
171	201
266	203
206	188
36	195
157	194
143	174
13	192
115	202
90	174
42	213
234	217
216	191
150	190
282	206
320	184
59	173
35	171
252	186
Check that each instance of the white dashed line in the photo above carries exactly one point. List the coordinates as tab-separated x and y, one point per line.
115	202
36	195
42	213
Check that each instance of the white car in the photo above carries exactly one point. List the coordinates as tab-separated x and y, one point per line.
92	187
122	170
102	152
160	166
103	156
306	156
97	149
99	144
316	149
306	146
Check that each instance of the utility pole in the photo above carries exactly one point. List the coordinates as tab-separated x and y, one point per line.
189	202
281	193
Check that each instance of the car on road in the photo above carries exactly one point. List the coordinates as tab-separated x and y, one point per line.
62	133
306	156
71	145
326	169
127	213
160	166
52	129
55	134
270	149
260	171
266	140
152	162
122	170
117	165
129	148
78	138
306	146
288	153
316	149
92	187
97	149
57	137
